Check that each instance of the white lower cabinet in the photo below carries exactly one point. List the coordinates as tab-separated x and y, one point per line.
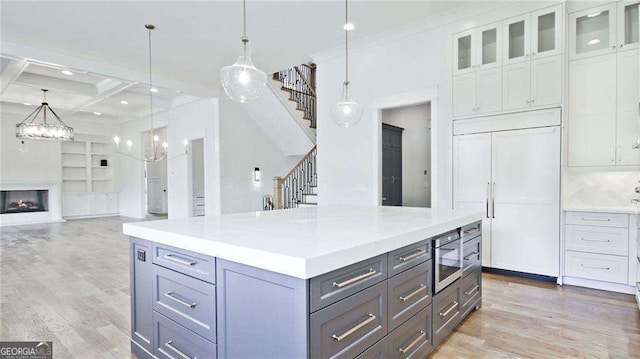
514	177
597	250
87	204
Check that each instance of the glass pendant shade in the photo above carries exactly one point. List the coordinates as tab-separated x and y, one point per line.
44	131
346	112
242	81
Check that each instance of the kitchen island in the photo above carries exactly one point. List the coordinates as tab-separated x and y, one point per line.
328	281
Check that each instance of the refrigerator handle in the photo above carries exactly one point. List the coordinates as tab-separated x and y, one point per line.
493	201
487	202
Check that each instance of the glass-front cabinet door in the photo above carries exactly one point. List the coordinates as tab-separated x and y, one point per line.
463	52
593	32
489	45
628	26
546	34
516	39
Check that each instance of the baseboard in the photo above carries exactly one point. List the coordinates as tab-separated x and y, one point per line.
596	284
538	277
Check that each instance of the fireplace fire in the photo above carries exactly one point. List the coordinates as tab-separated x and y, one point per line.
24	201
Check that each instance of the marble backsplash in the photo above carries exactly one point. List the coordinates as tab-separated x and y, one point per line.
608	189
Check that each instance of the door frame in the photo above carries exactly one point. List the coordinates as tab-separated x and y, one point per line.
402	99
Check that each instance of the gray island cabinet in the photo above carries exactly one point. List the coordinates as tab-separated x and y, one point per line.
324	282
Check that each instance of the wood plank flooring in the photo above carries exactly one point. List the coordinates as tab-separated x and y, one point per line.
69	283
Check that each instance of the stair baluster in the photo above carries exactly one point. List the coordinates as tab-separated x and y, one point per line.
300	82
294	188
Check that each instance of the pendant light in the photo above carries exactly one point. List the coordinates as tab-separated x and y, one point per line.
242	81
31	130
346	112
156	151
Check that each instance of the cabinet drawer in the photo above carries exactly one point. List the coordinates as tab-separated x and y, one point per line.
604	240
598	219
470	291
471	231
407	257
196	265
471	255
377	351
602	267
412	339
341	283
345	329
446	312
185	300
172	341
409	292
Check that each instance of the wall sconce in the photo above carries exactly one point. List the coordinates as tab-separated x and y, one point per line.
256	174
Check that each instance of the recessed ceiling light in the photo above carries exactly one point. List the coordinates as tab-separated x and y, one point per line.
349	26
153	89
97	113
124	102
26	104
67	72
594	41
595	14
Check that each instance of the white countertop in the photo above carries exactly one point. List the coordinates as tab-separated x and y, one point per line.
304	242
603	209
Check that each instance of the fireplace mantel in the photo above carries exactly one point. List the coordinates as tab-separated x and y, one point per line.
54	214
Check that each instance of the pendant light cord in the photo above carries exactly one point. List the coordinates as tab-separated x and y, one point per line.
346	43
151	132
244	18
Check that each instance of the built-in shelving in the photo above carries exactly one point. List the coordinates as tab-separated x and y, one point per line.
88	177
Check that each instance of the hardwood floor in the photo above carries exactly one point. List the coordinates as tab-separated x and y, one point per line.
69	283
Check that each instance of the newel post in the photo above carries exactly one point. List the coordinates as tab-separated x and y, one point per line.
277	192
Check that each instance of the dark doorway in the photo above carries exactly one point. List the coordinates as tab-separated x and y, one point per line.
391	165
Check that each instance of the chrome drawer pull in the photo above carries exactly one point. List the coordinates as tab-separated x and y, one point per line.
406	298
603	268
169	345
471	255
596	240
473	289
412	256
173	257
414	342
472	231
355	279
455	304
170	296
596	219
352	330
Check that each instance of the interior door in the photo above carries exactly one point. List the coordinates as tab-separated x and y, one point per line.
157	200
471	181
525	230
391	165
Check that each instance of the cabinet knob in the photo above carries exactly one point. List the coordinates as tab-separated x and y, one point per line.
613	47
532	101
527	101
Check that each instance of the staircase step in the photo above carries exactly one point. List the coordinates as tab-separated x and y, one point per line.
304	204
311	198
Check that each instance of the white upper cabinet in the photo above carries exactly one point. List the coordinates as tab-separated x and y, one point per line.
628	26
464	50
516	80
464	94
477	49
546	34
628	100
517	39
546	81
593	32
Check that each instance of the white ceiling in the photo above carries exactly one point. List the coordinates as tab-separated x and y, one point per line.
193	40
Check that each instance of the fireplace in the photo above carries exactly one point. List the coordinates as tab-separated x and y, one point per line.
20	201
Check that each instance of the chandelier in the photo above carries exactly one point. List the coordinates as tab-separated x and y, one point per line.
157	151
347	112
31	130
242	81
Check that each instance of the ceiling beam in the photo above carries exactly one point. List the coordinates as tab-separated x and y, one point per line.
11	73
114	88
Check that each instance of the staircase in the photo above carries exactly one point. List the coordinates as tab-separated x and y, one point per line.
300	84
299	188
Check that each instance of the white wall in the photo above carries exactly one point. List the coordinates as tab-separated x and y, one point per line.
416	152
243	146
347	170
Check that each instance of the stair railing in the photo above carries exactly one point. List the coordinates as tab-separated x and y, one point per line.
292	189
300	82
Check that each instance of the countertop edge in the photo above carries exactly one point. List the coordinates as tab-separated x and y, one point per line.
294	266
629	210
